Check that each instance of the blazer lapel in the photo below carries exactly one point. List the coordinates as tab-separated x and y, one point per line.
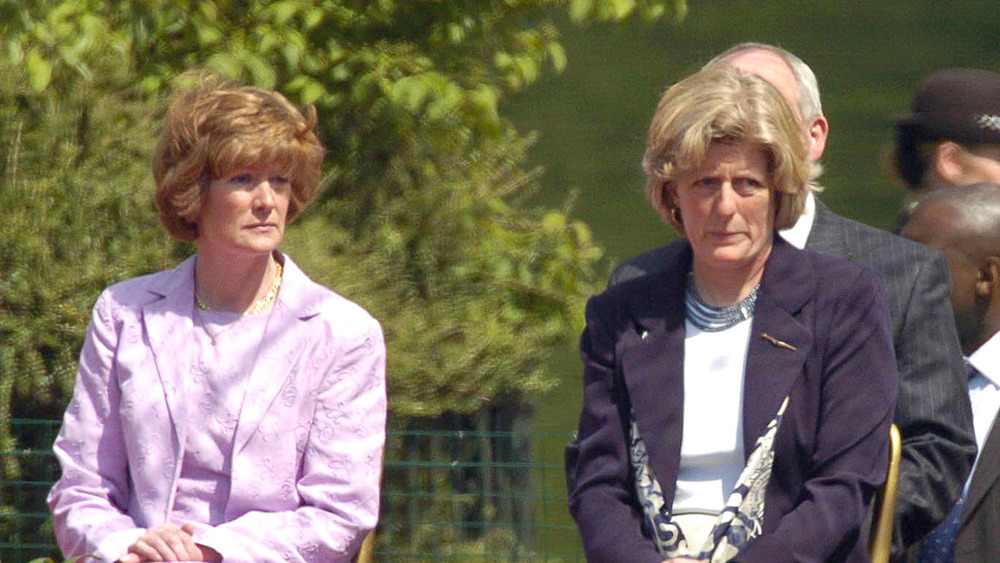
277	360
986	472
779	343
168	324
654	370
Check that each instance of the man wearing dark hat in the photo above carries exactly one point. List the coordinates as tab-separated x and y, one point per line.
965	226
952	138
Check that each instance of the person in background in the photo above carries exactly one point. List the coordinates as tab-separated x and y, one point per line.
228	409
932	413
737	402
965	226
952	136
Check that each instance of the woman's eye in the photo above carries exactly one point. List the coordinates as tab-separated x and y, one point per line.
749	184
244	178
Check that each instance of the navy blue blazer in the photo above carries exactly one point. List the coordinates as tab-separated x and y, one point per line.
828	347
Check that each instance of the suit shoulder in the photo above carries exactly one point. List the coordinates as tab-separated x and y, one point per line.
632	298
137	291
648	262
874	246
344	316
835	271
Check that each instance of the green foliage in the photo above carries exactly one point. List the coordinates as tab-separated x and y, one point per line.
424	199
75	178
473	289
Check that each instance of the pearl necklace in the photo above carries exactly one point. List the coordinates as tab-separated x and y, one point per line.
258	306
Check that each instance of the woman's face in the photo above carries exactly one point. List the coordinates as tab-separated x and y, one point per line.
727	207
245	210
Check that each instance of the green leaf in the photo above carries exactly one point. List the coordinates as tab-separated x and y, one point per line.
557	54
283	12
580	10
225	64
312	91
39	71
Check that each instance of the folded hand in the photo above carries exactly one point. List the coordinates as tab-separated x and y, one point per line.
169	543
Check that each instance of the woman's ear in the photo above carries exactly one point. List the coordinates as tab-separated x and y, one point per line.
669	194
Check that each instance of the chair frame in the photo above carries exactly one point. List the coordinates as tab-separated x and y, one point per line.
880	543
367	552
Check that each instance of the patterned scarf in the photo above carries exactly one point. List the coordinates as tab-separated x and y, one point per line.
739	522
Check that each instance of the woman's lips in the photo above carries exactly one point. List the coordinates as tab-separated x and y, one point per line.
725	235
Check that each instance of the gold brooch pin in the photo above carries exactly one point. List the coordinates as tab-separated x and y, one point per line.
776	342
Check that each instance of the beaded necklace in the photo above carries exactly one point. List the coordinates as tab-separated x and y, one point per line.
715	319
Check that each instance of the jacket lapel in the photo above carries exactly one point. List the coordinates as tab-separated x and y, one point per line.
779	343
654	368
277	362
985	473
168	324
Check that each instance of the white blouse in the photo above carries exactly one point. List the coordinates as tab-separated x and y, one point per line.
712	440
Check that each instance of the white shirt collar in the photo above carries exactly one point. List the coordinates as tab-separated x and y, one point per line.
797	234
986	359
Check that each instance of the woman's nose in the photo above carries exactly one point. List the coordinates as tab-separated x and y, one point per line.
726	202
264	196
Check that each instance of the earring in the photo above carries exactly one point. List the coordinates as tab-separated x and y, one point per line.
675	213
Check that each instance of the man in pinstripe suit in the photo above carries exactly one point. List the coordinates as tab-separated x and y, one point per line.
933	411
964	224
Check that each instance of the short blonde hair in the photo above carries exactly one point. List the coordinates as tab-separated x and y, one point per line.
217	128
721	105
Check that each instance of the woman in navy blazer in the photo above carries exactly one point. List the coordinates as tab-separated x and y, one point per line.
785	355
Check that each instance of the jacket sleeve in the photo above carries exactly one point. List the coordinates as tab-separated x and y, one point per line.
849	455
339	477
601	497
90	499
933	411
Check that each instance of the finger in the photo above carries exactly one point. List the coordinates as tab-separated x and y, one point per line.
190	548
178	542
195	550
130	558
153	548
188	530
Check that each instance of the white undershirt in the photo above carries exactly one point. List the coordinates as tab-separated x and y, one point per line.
984	392
712	440
798	234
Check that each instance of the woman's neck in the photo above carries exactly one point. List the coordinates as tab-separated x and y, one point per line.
225	283
725	287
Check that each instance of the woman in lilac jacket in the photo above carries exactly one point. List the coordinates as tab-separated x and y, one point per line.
229	409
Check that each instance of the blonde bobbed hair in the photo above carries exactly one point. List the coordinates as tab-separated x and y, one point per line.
217	128
721	105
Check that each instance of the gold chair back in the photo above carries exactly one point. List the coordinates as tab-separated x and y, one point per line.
367	551
880	543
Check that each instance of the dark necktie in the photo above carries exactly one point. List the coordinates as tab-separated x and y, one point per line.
939	545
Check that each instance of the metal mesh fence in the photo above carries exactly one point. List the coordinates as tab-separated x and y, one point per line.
446	496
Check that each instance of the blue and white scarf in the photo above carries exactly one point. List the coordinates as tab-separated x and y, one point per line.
739	522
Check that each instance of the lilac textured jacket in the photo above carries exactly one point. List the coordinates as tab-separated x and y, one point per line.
307	454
